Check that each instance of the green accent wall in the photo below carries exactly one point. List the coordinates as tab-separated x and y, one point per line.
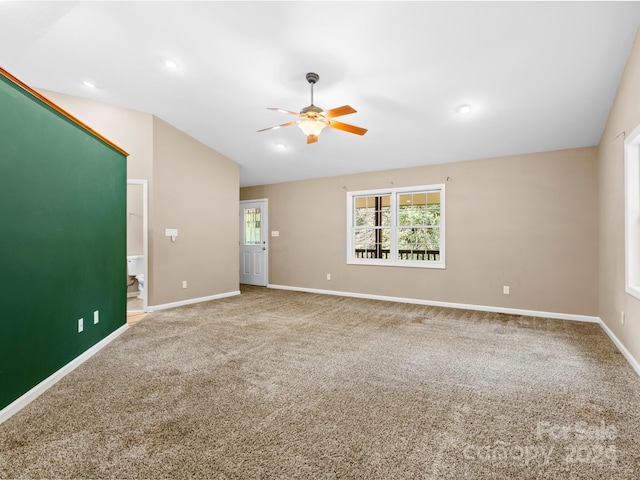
62	240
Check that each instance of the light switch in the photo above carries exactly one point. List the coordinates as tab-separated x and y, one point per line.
275	233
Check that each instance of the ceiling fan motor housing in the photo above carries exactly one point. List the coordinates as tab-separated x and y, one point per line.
312	111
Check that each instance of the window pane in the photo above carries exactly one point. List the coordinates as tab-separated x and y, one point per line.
419	208
252	229
433	208
372	243
373	211
385	238
419	244
365	217
365	238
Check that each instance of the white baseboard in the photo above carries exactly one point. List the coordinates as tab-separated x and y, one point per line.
48	382
164	306
627	354
464	306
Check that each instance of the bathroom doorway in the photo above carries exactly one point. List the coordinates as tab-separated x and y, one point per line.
137	251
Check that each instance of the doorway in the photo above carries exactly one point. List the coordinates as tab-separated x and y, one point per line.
254	245
137	251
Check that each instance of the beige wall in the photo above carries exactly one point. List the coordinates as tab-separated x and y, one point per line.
127	128
623	117
196	191
525	221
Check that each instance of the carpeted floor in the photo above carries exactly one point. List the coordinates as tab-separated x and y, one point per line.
284	385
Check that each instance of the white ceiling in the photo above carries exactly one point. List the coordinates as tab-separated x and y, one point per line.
540	75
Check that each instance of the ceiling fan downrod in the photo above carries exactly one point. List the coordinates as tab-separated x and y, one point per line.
312	78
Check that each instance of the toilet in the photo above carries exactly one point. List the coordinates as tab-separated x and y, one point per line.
135	268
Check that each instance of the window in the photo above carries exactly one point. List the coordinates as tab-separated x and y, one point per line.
399	227
632	212
252	229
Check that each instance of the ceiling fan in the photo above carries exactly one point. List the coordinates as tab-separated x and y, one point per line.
313	119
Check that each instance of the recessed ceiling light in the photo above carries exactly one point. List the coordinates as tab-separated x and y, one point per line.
464	109
89	84
281	146
170	63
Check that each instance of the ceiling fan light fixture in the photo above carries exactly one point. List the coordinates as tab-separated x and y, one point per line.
312	127
312	119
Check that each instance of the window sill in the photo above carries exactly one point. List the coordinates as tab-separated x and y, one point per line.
633	291
388	263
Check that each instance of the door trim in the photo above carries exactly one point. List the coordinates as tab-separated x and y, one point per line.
266	237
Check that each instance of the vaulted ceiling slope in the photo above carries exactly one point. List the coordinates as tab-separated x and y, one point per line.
539	75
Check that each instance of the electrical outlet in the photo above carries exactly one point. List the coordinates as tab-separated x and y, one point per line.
80	325
96	317
505	290
622	317
184	284
328	276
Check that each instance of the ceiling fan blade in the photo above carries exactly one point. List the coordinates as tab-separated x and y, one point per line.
280	126
347	128
337	112
281	110
312	138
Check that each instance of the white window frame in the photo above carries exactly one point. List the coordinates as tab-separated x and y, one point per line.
632	212
393	194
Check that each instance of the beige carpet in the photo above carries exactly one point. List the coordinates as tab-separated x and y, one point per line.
284	385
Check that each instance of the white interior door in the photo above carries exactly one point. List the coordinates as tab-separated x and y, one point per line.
254	251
